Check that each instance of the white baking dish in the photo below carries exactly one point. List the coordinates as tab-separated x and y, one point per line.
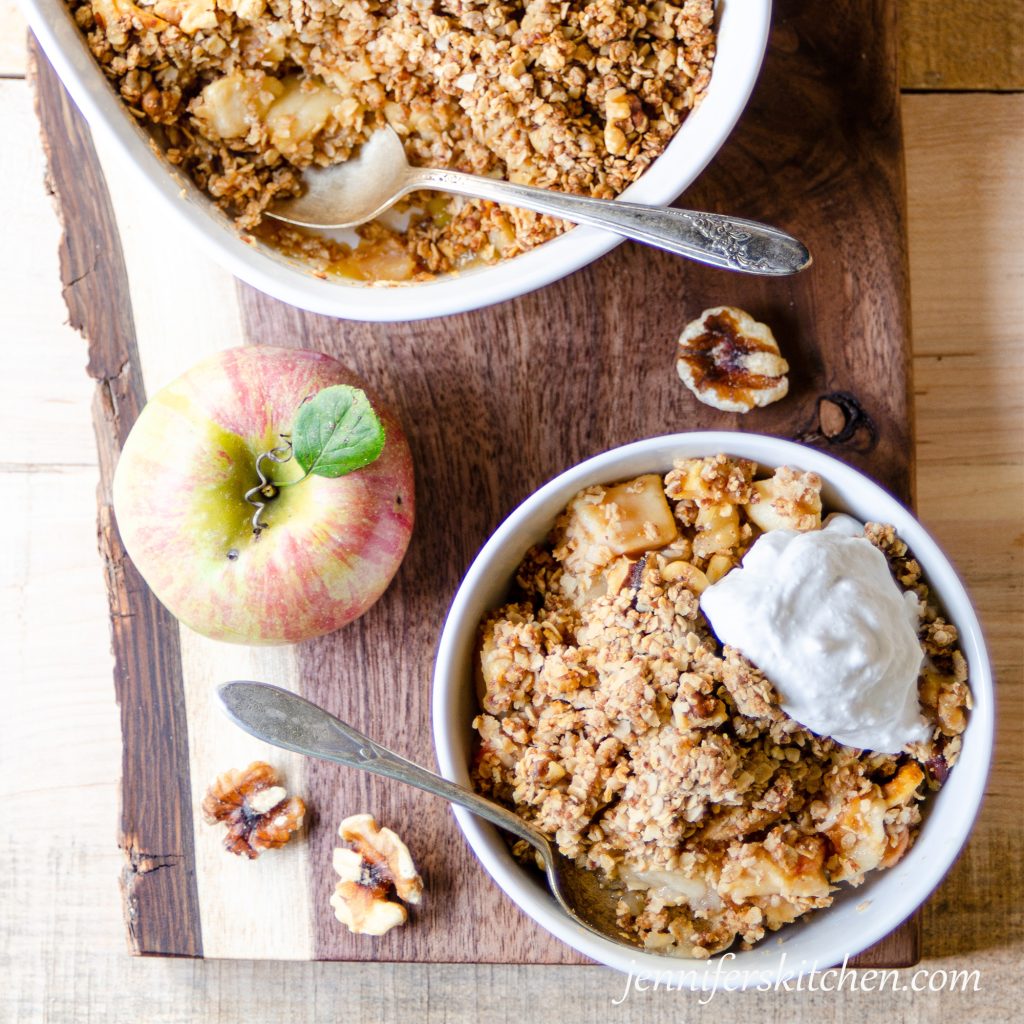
742	35
860	916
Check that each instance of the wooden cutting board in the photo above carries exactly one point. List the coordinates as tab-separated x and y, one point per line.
495	403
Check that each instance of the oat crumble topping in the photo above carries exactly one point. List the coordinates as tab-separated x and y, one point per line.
243	94
613	720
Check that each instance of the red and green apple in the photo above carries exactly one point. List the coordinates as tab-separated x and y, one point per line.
242	560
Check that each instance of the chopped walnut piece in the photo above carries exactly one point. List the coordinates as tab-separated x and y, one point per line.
730	361
373	866
257	811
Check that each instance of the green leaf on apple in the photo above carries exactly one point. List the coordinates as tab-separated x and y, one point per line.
336	432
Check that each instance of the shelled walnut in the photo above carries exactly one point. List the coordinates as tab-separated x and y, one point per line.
373	866
730	361
258	812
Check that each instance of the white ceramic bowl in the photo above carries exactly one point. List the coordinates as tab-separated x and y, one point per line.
742	35
859	917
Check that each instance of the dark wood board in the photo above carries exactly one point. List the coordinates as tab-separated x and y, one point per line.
497	401
158	878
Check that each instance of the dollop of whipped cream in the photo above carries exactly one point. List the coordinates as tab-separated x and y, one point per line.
821	616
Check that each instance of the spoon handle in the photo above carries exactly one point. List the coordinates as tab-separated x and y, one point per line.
731	243
287	720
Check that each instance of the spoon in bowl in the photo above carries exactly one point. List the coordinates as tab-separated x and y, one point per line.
351	193
287	720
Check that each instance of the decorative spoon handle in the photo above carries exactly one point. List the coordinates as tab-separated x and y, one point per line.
728	242
285	719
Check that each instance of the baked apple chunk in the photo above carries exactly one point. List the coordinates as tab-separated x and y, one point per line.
628	518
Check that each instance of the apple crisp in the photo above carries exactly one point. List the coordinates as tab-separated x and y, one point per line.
245	94
614	721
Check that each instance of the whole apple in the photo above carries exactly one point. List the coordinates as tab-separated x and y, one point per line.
322	550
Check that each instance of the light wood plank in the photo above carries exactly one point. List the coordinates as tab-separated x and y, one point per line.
238	897
964	44
966	217
12	40
40	345
183	302
60	731
235	896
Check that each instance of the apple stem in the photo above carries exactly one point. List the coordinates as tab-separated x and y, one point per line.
266	488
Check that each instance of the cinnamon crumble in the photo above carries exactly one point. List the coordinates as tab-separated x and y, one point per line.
245	94
613	720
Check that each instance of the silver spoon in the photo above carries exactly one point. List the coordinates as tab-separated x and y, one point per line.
287	720
345	195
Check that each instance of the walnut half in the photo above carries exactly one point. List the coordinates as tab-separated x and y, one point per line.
257	811
373	866
730	361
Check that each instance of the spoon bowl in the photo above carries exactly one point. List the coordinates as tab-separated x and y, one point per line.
349	194
354	192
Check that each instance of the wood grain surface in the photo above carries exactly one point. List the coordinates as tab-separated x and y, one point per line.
821	155
966	44
586	364
12	40
61	932
161	904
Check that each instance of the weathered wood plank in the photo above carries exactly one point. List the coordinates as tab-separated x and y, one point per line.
235	897
12	40
966	211
161	905
968	44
